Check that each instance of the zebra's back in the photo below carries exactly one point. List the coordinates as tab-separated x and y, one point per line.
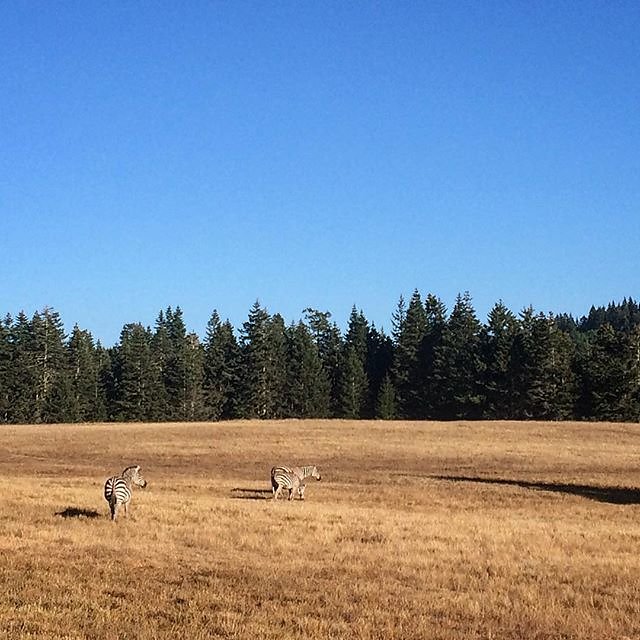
116	493
282	480
304	472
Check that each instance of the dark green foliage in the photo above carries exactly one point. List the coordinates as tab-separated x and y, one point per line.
328	341
458	365
307	385
497	346
409	331
541	369
136	379
87	401
221	371
5	369
531	366
178	358
263	364
386	401
353	388
434	387
610	375
378	365
52	392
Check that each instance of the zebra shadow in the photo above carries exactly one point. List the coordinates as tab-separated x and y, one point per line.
610	495
239	493
78	512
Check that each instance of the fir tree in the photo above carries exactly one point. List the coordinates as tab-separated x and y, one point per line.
6	382
328	340
606	377
52	392
409	334
87	403
222	361
136	378
434	391
264	363
307	392
498	338
354	385
459	364
386	401
378	366
541	369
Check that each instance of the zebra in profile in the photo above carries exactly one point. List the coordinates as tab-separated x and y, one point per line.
302	473
117	489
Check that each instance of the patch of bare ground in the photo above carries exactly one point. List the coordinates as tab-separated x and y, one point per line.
418	530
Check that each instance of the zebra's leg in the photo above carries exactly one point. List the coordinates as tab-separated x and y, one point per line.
301	491
276	492
290	494
113	506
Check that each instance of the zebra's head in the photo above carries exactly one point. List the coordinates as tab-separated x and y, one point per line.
316	474
133	475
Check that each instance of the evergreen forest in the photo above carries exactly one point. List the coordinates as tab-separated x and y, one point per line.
436	364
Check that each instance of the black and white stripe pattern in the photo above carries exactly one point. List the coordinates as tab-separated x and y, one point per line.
302	473
281	479
117	489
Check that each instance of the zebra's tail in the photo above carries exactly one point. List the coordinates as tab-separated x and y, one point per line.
113	505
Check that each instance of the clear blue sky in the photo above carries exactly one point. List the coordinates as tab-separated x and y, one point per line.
324	154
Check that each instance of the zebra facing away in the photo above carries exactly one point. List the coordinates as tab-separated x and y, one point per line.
117	489
308	471
282	479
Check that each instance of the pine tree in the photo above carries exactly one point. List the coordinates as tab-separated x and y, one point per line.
409	333
254	343
354	384
306	391
264	363
193	407
542	369
175	375
222	361
386	402
459	365
23	380
328	341
606	377
53	390
498	338
276	367
162	352
6	381
136	378
106	390
378	367
434	391
632	387
87	402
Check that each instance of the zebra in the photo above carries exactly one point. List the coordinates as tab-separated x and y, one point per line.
308	471
117	489
282	479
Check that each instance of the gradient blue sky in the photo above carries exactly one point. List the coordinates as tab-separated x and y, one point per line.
324	154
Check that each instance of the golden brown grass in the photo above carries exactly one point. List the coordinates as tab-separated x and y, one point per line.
443	531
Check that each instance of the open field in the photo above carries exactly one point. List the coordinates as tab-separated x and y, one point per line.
418	530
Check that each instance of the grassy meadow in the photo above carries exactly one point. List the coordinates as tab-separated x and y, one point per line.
439	531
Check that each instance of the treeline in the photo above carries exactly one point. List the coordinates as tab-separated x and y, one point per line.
433	365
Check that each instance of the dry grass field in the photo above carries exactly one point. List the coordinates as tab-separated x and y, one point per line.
441	531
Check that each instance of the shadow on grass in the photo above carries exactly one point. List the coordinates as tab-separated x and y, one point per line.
77	512
611	495
251	494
